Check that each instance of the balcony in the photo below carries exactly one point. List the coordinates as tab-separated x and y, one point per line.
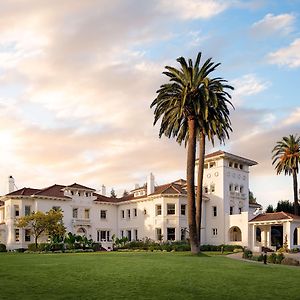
81	222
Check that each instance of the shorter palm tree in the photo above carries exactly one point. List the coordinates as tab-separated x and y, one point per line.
286	156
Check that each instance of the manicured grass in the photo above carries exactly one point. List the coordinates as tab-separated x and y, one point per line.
142	276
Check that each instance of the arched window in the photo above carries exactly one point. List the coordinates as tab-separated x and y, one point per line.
81	231
295	236
258	234
235	234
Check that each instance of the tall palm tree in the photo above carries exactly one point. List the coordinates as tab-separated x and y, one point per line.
286	156
214	122
177	104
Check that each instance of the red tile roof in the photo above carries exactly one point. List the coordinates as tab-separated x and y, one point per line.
79	186
232	156
274	217
55	190
24	192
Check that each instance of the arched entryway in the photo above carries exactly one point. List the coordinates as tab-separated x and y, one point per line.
81	231
235	234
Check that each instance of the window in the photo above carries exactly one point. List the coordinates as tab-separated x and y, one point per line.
103	214
27	235
87	194
135	212
135	234
230	164
241	189
231	187
75	213
56	208
182	209
212	188
236	165
236	189
215	231
158	210
129	235
215	211
128	213
72	193
231	210
158	234
17	211
183	234
171	234
122	233
86	213
17	235
103	235
240	210
170	209
205	189
212	164
79	194
27	210
241	167
122	214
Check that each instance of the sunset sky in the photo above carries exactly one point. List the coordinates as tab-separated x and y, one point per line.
77	79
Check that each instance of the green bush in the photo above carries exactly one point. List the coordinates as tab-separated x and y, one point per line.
272	258
295	250
290	261
32	247
43	247
56	247
2	248
247	254
279	258
96	247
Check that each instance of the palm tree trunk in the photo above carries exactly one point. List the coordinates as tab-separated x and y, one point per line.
200	185
191	156
295	186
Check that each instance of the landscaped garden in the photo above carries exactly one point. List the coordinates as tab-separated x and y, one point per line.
142	275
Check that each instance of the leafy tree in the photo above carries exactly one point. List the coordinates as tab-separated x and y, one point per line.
252	199
270	209
286	157
43	223
113	193
285	205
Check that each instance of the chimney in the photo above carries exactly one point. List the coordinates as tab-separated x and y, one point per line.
136	186
150	184
103	190
11	184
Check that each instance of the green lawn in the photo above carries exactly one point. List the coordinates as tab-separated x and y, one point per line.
142	276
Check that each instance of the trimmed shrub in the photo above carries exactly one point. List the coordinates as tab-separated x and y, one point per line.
290	261
20	250
43	247
247	254
56	247
2	248
272	258
279	258
96	247
295	250
31	247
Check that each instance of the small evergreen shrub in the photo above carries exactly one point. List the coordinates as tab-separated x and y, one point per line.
96	247
32	247
56	247
272	258
2	248
279	258
43	247
247	254
295	250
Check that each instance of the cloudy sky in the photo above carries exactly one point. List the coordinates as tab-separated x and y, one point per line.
77	79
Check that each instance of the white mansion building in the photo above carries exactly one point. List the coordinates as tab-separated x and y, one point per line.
157	212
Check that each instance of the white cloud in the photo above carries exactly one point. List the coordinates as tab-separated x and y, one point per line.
272	24
293	118
248	85
194	9
289	56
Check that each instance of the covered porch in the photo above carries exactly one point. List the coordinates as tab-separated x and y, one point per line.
273	230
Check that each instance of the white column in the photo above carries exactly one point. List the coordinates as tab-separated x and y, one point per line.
253	236
268	236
